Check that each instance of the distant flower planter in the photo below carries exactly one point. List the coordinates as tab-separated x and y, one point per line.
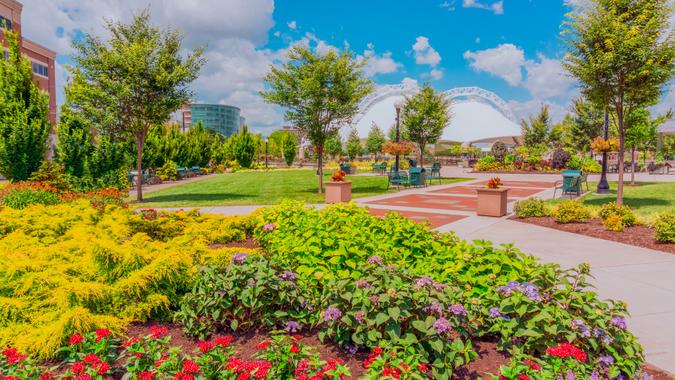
492	199
338	191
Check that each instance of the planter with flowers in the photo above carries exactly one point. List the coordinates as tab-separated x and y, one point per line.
338	190
492	198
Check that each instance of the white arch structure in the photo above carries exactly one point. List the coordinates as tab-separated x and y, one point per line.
478	114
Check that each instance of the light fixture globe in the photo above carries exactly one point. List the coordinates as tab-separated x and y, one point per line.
399	105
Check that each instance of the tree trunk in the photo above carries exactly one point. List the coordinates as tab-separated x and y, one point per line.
632	165
139	167
422	145
619	187
319	149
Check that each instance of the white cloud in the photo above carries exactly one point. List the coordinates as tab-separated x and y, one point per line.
477	40
436	74
504	61
523	110
497	7
379	64
424	53
409	83
667	101
293	25
449	5
547	78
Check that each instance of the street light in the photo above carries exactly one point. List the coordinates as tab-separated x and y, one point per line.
603	185
266	139
398	105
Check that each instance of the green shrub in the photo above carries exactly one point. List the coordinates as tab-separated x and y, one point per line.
487	163
623	213
665	227
499	151
569	211
531	207
22	198
168	171
613	223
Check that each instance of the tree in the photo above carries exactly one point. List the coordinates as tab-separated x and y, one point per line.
621	52
133	81
499	150
107	158
641	133
333	145
536	131
354	148
289	147
73	142
585	124
375	140
198	141
24	108
321	93
243	147
424	116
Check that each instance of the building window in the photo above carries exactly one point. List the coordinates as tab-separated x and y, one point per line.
5	23
40	69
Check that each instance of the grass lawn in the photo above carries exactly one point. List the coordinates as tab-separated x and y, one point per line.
645	198
260	188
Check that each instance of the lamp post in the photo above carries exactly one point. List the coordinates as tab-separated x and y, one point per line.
398	105
266	140
603	186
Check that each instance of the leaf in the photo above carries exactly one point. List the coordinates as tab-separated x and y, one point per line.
420	326
381	318
394	312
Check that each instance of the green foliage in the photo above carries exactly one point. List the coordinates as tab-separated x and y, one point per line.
570	210
618	214
22	198
375	140
389	307
531	207
354	148
499	151
488	163
665	227
333	145
586	123
24	124
108	157
585	164
135	79
289	148
560	158
613	223
243	147
321	92
536	131
74	142
253	292
168	171
424	116
199	144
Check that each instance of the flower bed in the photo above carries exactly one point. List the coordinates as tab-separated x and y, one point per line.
361	282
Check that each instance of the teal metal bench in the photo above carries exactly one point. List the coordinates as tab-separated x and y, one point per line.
398	179
182	173
571	183
196	170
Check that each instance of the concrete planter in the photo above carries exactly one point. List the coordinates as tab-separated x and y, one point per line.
492	202
338	191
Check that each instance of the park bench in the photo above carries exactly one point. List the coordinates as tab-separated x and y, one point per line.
398	179
571	183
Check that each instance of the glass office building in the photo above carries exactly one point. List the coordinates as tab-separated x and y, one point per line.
218	118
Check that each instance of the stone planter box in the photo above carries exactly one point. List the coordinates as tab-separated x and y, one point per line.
338	191
492	202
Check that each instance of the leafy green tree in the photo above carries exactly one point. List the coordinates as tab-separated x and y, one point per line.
198	141
244	147
585	124
24	109
536	131
403	134
375	140
641	133
132	81
321	93
621	52
333	145
107	157
354	148
73	142
424	116
289	147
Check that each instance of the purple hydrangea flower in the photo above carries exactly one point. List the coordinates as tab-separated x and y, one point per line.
442	325
570	375
439	287
458	309
374	299
595	375
422	282
362	284
269	227
389	267
434	307
352	349
251	283
606	361
332	314
619	322
288	276
494	312
359	316
292	327
581	326
375	260
646	376
530	290
239	258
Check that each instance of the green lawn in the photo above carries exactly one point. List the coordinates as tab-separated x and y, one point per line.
645	198
260	188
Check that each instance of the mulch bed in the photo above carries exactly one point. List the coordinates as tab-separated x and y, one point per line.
640	236
248	243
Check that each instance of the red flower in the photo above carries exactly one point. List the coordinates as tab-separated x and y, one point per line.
263	345
534	365
75	339
158	332
566	350
190	367
138	355
103	368
102	333
422	368
184	376
78	367
294	348
46	376
204	346
244	376
146	375
84	376
92	359
523	377
377	350
223	341
13	355
297	337
131	341
159	362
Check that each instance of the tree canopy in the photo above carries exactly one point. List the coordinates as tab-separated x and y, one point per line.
424	116
375	140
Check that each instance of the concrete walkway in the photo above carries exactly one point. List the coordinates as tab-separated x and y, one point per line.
643	278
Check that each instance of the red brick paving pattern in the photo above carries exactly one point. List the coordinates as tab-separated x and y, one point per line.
434	220
435	202
471	190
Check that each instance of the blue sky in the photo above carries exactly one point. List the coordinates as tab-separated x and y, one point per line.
510	47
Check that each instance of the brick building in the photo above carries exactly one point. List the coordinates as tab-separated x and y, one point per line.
42	59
